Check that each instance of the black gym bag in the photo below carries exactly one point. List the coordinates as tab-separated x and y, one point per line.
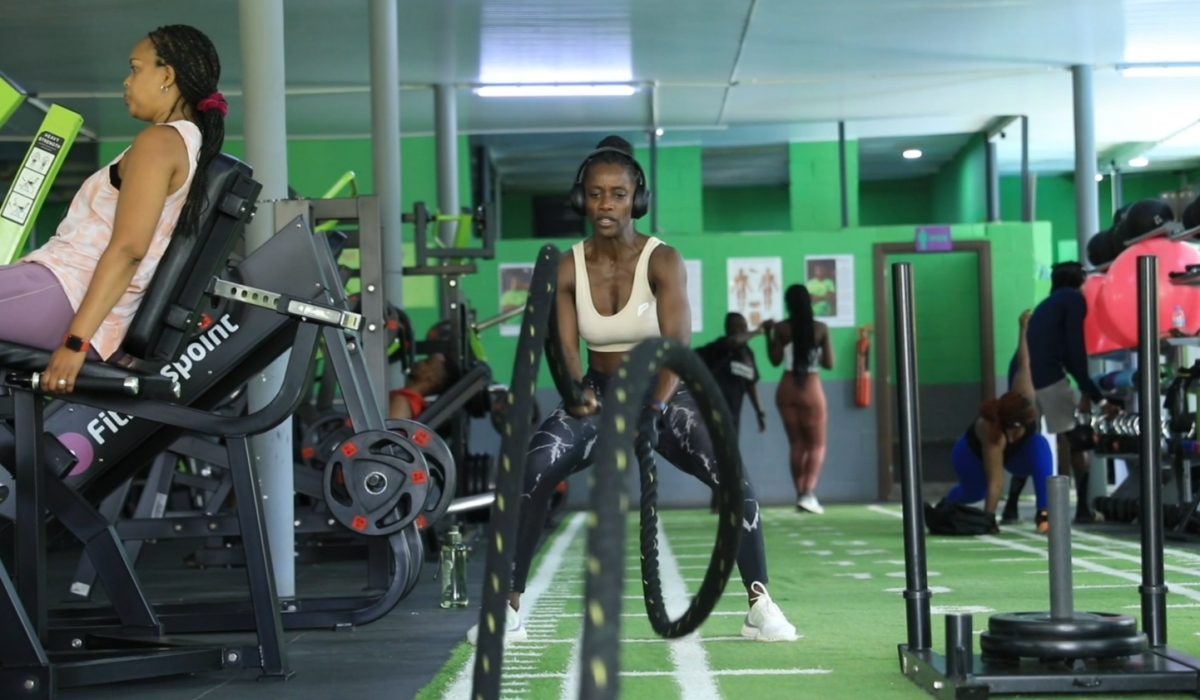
957	519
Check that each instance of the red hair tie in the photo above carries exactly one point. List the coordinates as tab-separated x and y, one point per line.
214	101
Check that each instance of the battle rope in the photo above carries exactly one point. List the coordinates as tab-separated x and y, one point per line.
510	482
609	500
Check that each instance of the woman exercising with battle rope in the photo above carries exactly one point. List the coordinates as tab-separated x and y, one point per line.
616	289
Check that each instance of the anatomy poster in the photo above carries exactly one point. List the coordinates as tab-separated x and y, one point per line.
830	282
695	298
756	289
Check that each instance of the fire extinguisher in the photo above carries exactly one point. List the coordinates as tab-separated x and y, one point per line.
862	377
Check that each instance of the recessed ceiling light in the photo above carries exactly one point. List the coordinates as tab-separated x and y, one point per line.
658	132
1139	162
1099	177
912	154
602	90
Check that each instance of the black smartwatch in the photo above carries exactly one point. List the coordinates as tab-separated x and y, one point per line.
76	344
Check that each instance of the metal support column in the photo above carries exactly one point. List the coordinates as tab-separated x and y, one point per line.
1118	189
1087	198
446	134
843	185
993	182
385	157
653	183
1028	184
265	128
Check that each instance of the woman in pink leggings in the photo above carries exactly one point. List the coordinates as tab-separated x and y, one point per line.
802	345
77	294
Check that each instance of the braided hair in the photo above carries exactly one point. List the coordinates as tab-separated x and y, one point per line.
197	71
800	317
624	158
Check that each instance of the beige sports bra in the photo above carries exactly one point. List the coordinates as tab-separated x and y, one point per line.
635	322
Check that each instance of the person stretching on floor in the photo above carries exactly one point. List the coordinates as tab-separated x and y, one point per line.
1056	349
802	345
615	289
78	293
1004	436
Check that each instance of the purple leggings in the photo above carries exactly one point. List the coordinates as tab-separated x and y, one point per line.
34	310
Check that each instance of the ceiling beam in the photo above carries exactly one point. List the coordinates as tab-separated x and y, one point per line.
997	125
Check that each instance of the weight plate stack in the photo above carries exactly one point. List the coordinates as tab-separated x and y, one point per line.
1038	635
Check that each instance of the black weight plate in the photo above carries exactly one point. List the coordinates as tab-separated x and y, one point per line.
416	556
443	473
322	437
1083	626
376	483
402	552
1047	648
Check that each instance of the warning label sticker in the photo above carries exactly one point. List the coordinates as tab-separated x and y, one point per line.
31	178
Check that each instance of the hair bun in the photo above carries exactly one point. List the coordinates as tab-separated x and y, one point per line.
618	143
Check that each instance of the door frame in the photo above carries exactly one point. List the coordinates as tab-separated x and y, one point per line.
884	396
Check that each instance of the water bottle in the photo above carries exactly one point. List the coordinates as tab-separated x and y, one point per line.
1178	319
454	571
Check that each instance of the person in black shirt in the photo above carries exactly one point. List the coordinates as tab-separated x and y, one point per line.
1056	350
1004	437
732	364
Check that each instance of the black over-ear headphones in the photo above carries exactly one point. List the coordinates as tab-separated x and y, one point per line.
641	195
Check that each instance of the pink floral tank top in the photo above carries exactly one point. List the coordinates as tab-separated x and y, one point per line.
74	251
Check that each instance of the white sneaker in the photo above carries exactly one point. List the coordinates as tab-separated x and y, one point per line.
765	621
514	631
808	502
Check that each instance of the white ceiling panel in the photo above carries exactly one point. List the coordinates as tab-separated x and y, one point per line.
889	68
838	38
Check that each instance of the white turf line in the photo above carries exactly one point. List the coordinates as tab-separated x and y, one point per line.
1078	562
460	689
692	672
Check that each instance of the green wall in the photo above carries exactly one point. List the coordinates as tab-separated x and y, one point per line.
1020	254
679	188
896	202
816	192
736	209
960	187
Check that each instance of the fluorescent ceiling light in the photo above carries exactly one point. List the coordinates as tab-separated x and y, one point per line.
555	90
912	154
1179	70
1139	162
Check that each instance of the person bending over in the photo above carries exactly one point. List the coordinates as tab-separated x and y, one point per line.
1056	349
1004	437
802	345
426	378
77	294
615	289
733	365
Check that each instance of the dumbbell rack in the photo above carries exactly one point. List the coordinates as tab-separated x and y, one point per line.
960	674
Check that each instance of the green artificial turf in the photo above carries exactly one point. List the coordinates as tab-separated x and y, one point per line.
838	578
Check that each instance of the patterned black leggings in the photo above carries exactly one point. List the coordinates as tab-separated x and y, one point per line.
562	444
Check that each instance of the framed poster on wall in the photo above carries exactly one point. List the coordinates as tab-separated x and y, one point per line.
514	289
830	282
755	289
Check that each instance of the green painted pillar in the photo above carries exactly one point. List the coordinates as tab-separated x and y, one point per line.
680	193
815	183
